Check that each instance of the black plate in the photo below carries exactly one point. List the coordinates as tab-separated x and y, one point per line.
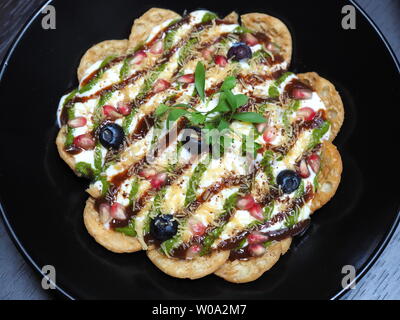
43	201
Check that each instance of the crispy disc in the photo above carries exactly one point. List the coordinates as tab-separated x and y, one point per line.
274	28
192	269
329	175
143	26
60	142
242	271
111	240
331	98
101	51
233	17
285	245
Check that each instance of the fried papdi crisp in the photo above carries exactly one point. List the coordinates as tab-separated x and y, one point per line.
329	175
233	17
331	98
192	269
242	271
143	26
274	28
101	51
110	239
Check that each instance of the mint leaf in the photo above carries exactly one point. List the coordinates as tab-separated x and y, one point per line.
230	97
252	117
196	117
161	109
175	114
223	124
183	105
222	105
200	79
229	83
241	100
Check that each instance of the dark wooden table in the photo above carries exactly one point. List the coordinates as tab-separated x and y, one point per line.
17	279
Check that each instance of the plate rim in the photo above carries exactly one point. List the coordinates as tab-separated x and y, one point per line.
371	260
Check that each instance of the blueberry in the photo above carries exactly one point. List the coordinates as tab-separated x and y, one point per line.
288	180
239	51
163	227
111	135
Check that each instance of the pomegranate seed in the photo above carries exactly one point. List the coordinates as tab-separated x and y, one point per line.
104	212
270	134
207	53
261	127
221	61
197	228
118	211
300	93
249	39
161	85
257	250
246	202
148	173
84	141
272	47
193	251
77	122
111	113
187	78
124	108
257	212
139	57
159	180
314	161
157	47
256	237
302	170
306	113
